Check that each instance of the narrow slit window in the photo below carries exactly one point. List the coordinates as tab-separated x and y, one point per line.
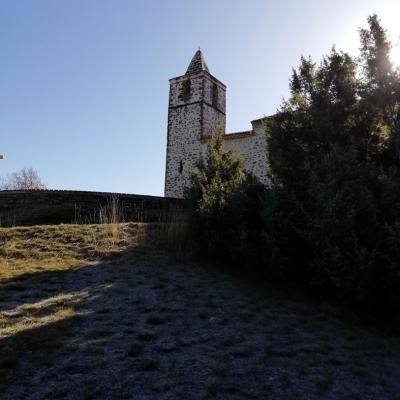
186	89
180	166
215	95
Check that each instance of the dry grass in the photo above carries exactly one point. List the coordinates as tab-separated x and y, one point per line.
84	315
173	234
26	250
34	315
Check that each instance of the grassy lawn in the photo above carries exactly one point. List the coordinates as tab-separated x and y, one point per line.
85	315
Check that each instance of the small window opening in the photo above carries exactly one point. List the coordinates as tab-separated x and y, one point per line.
215	95
186	88
180	166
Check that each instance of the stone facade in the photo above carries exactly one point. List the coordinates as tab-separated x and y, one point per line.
37	207
197	104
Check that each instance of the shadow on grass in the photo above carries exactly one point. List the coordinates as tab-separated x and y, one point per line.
32	333
40	285
151	328
32	347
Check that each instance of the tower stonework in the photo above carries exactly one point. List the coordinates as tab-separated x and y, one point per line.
197	111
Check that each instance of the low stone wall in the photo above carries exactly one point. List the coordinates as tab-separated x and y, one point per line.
39	207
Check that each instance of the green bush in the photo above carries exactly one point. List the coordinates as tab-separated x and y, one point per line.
330	217
340	234
225	208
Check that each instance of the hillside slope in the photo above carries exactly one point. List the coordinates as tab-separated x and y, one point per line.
84	318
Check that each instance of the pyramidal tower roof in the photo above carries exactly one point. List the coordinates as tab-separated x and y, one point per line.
197	65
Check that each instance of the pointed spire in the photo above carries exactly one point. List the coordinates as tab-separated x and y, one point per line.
197	64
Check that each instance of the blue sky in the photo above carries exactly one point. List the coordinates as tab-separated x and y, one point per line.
84	83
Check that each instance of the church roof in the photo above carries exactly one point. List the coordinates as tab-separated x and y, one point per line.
197	64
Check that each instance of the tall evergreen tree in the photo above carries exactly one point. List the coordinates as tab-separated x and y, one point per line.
379	93
342	102
332	215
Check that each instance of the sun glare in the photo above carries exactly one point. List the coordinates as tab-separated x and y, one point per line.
389	15
395	54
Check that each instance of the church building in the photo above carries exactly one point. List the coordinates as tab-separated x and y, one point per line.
196	111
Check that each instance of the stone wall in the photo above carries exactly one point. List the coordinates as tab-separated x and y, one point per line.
252	145
18	208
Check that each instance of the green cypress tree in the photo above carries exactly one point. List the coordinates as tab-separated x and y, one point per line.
216	177
332	215
225	206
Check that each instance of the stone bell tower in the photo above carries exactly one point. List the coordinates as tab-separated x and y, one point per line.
196	111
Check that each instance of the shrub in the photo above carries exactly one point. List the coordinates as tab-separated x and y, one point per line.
332	216
224	209
341	233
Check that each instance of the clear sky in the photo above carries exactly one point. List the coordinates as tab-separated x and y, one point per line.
84	83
